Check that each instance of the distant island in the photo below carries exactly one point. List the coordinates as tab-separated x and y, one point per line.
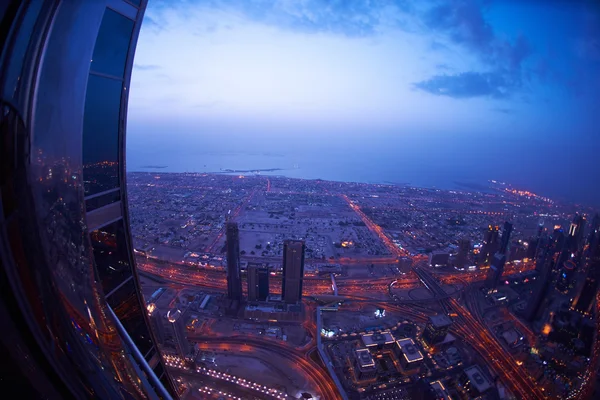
153	166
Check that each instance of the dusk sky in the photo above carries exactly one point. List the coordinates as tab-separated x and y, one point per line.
503	90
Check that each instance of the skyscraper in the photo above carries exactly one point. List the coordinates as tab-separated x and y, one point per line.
490	244
547	248
156	323
464	247
177	332
234	280
66	70
293	271
584	299
497	264
436	329
258	283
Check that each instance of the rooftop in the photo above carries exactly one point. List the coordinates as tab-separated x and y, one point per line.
409	350
477	379
440	390
374	339
364	358
440	320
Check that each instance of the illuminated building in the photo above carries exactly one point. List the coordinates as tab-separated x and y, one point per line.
474	381
75	318
157	323
544	266
364	364
436	329
438	259
234	280
177	332
293	271
490	244
258	283
464	247
441	393
499	260
409	355
584	299
378	340
566	276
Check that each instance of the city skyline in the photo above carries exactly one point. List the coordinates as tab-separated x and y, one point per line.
475	89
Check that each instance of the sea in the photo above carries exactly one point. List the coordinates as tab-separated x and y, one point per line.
368	163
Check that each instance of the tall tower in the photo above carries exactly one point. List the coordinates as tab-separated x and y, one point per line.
177	331
156	323
464	246
234	280
497	264
293	270
584	299
545	262
258	283
490	244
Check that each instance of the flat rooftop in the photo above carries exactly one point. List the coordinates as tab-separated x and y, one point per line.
440	320
364	358
440	390
409	350
374	339
478	380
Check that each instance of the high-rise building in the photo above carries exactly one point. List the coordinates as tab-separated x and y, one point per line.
584	299
436	329
462	258
157	323
576	230
547	249
68	257
258	283
490	244
178	333
234	280
497	264
293	271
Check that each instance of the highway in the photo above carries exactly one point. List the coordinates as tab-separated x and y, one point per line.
516	378
312	372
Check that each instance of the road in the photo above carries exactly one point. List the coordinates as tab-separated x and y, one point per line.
312	372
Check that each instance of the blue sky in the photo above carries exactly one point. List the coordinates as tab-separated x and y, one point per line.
507	88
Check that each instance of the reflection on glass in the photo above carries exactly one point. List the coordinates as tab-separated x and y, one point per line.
110	254
101	135
110	51
126	305
102	200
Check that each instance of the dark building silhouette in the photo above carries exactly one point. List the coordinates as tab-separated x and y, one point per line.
462	258
234	279
258	283
66	264
497	264
584	299
490	244
544	265
436	329
293	271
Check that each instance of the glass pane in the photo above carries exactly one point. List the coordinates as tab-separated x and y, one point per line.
23	38
126	305
101	135
103	200
112	44
110	254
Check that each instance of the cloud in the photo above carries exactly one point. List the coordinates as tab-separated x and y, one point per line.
464	23
146	67
466	85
